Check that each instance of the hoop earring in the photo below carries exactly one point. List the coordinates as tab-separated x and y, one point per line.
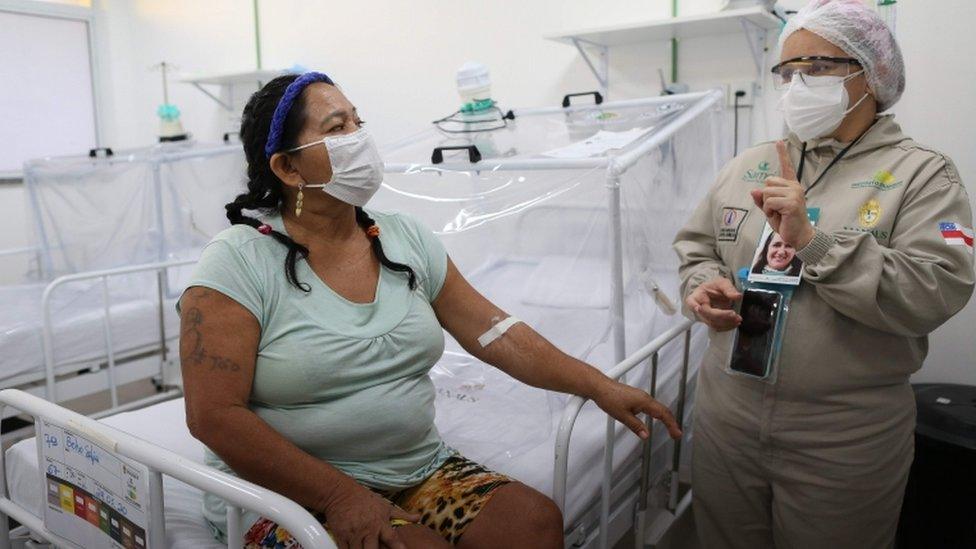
299	200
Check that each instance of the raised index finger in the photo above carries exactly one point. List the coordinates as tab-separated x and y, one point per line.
786	165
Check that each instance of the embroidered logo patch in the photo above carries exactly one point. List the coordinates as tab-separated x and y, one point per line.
732	219
869	214
956	234
760	174
883	180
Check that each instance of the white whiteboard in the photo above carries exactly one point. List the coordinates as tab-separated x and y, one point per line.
95	497
46	99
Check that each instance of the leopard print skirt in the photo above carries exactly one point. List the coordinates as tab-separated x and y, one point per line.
447	502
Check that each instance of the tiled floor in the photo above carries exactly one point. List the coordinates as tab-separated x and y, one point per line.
100	401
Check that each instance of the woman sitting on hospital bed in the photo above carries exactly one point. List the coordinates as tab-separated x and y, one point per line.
308	333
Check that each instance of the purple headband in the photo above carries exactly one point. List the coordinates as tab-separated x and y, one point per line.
284	105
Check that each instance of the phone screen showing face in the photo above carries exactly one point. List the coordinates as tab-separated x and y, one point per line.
753	348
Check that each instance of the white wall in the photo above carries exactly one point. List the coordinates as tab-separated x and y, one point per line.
396	61
939	111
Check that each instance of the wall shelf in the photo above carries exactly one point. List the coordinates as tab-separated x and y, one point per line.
754	22
258	77
690	26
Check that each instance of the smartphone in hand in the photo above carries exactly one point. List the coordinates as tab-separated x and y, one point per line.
753	348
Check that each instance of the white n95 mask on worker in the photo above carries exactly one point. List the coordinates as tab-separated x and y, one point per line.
815	106
357	169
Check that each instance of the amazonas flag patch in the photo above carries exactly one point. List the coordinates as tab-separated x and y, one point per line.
957	235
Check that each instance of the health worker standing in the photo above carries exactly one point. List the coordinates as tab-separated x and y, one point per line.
818	454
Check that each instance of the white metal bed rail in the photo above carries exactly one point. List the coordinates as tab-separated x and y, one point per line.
575	405
160	268
238	493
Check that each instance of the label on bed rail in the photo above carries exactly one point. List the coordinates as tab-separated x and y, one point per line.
94	497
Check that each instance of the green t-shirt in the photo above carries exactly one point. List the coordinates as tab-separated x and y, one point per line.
345	382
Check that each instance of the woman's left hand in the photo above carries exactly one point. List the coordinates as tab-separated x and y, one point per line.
623	403
783	201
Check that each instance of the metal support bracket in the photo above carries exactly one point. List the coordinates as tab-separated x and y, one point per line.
212	96
600	69
756	39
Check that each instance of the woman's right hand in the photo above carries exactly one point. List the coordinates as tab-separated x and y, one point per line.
358	518
712	303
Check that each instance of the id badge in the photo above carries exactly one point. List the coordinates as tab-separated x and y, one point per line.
775	261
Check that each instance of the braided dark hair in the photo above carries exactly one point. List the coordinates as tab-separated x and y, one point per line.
265	192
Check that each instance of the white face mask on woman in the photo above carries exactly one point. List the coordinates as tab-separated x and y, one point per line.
357	169
815	106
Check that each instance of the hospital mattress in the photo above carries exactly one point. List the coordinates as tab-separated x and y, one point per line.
481	412
508	426
78	325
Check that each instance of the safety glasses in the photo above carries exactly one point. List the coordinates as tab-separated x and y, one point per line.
812	66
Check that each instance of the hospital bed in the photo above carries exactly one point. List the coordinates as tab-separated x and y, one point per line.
564	218
176	478
571	466
94	335
114	235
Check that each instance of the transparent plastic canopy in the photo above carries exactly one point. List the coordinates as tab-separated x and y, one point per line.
136	206
537	134
563	218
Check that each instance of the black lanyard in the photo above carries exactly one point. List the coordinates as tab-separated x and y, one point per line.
803	159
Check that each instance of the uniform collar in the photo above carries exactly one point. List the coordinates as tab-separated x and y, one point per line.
883	133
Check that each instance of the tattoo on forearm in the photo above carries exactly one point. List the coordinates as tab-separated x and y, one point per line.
221	363
191	340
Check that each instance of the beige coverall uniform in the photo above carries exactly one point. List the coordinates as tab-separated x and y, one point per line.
820	458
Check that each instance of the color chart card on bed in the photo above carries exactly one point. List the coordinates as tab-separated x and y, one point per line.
95	498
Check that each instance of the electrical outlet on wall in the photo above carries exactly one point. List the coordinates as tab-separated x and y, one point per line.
747	87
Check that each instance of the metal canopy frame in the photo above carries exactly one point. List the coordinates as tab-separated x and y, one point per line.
614	167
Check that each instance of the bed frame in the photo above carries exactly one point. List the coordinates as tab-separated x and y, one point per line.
629	497
120	364
240	494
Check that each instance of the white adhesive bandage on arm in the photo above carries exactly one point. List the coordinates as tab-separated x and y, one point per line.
497	331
